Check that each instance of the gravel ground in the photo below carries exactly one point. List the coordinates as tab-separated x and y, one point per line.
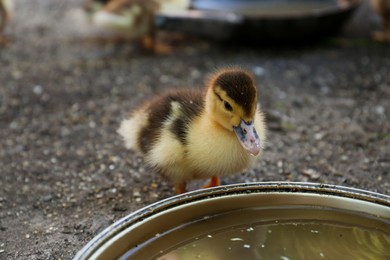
64	173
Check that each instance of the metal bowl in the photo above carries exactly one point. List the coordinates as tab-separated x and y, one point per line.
164	225
257	21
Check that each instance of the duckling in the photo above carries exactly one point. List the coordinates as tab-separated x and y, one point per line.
5	10
191	134
133	19
382	7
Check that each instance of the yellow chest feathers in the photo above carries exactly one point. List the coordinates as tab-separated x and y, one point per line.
216	148
209	151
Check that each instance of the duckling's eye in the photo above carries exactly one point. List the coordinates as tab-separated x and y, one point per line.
228	107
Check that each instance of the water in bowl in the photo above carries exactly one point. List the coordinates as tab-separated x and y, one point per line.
273	233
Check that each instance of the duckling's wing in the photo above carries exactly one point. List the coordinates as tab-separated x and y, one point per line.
170	113
165	117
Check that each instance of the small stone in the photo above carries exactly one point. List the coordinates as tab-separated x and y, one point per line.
319	136
313	174
47	198
38	90
120	207
380	110
258	71
17	74
280	164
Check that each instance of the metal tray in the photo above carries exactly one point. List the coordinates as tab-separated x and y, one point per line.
260	20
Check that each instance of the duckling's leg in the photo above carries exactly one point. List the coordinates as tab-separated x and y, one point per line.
150	42
3	21
147	42
180	188
214	181
3	40
379	36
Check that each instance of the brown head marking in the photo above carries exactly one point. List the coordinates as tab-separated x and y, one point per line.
239	85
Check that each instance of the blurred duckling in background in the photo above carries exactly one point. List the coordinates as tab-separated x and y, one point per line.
6	7
192	134
133	19
382	7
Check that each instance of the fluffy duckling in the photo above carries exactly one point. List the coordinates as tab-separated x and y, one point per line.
132	19
382	7
5	10
188	134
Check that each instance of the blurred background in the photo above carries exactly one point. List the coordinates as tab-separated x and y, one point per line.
71	70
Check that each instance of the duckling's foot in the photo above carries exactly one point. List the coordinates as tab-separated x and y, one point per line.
160	48
214	181
3	40
151	44
180	188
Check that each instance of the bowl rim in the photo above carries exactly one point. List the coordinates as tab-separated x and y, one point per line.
151	210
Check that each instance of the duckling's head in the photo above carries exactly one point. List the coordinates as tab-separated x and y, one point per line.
231	102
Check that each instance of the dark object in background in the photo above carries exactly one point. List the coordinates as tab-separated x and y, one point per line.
259	21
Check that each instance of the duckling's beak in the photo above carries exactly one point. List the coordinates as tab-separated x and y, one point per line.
248	137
